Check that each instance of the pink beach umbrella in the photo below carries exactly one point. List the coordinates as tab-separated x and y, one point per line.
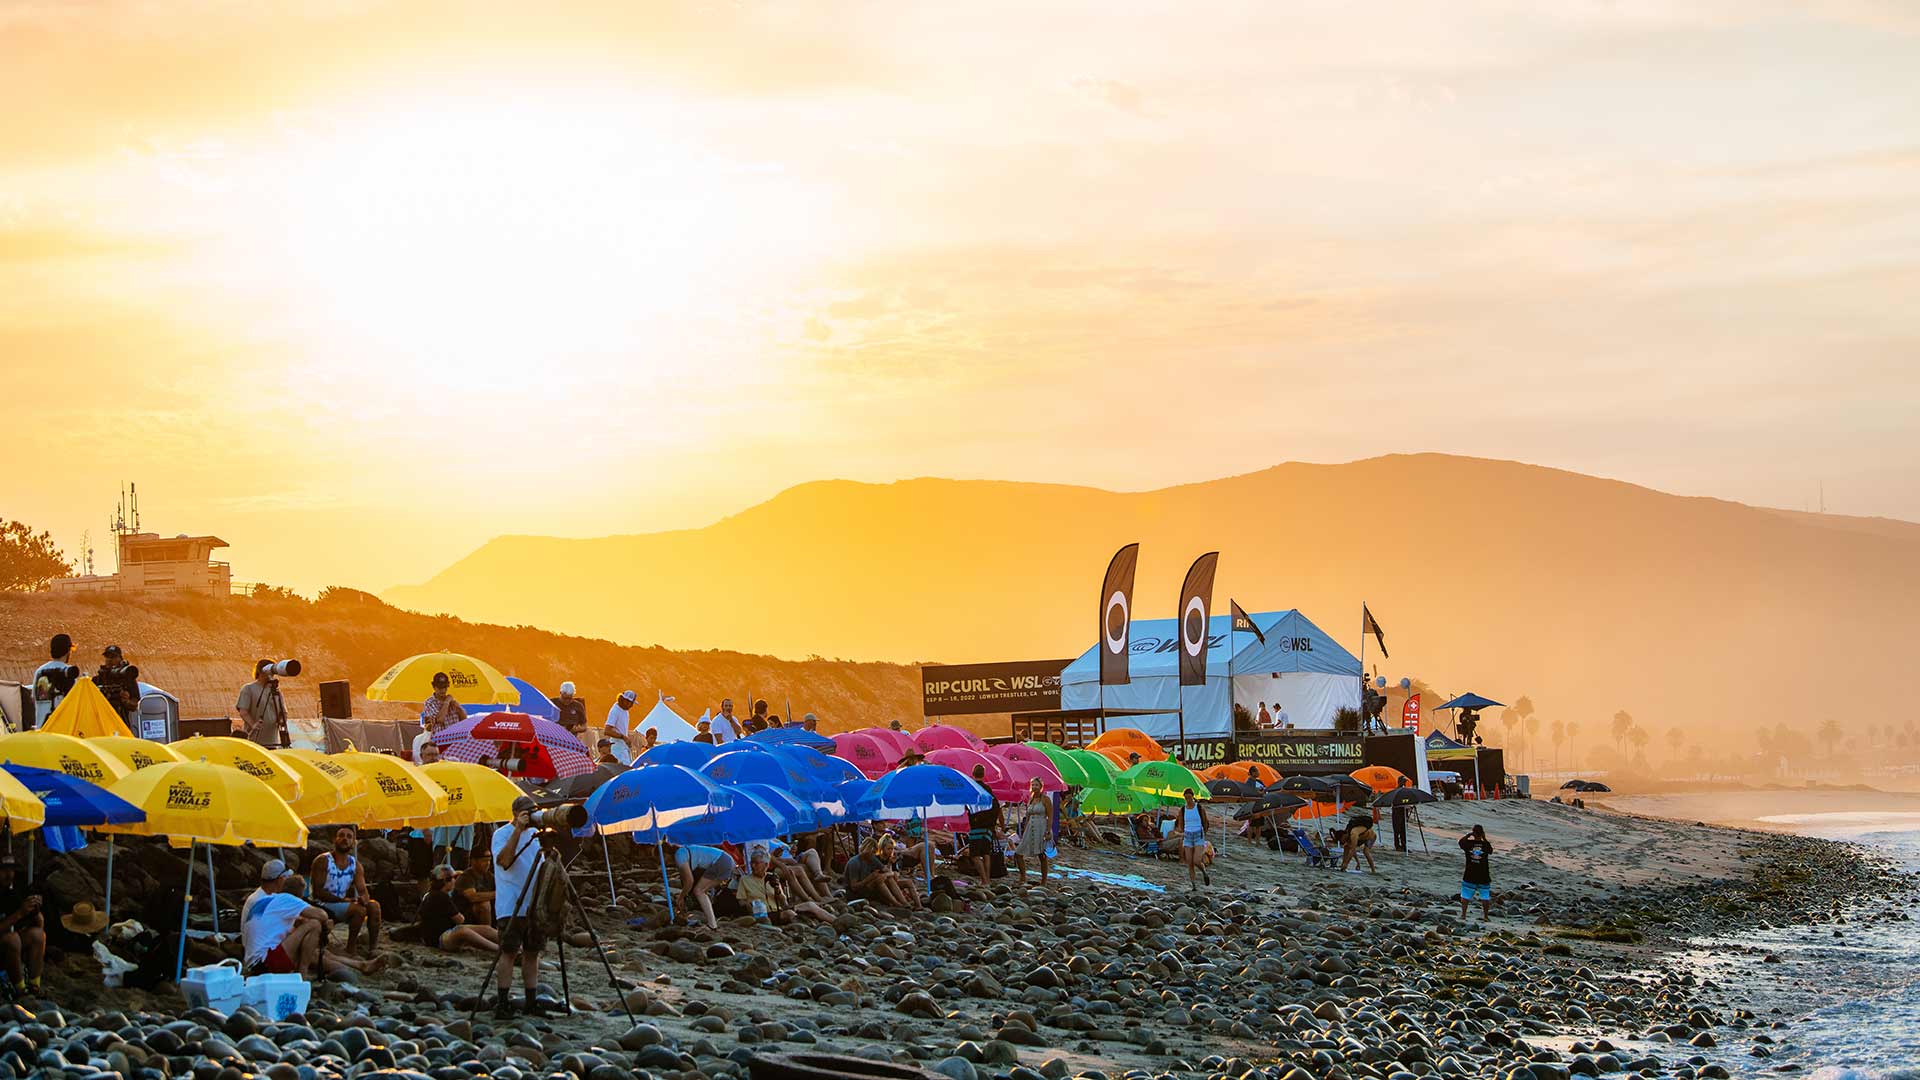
943	737
901	741
1023	773
999	781
1023	752
869	753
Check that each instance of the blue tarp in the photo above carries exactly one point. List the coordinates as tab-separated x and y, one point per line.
1294	646
532	702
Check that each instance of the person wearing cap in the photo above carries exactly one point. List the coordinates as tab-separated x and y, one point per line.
23	929
573	712
53	679
612	751
442	926
273	875
515	851
119	681
620	715
810	722
438	711
703	731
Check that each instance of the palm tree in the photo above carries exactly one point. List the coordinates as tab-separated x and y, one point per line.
1532	725
1638	736
1523	705
1573	748
1559	736
1510	720
1674	738
1622	723
1829	733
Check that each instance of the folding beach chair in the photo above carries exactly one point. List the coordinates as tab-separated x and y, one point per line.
1315	856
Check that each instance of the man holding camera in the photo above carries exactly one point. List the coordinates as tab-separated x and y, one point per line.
119	682
260	715
53	679
522	935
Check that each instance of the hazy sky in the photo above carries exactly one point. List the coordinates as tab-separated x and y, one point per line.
359	288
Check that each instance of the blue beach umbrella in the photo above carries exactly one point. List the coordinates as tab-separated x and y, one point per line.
853	799
792	736
71	803
689	755
532	702
806	816
651	798
734	767
820	770
751	817
924	792
1469	700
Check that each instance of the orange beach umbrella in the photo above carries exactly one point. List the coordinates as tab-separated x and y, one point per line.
1129	741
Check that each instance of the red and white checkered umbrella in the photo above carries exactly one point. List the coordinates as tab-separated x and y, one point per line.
545	750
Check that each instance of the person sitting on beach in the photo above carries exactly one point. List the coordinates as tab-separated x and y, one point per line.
23	929
870	877
702	870
758	886
793	873
273	877
284	933
1358	839
473	889
442	926
1476	879
341	888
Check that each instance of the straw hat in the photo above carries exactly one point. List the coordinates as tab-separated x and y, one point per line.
84	919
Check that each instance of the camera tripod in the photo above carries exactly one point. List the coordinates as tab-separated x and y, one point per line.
545	861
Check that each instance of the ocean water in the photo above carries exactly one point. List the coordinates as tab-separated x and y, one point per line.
1864	986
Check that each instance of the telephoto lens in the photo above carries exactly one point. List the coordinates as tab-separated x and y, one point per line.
565	816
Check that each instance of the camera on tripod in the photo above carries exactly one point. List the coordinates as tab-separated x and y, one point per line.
563	818
274	669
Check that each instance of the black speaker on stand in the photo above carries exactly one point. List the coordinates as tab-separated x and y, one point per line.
336	700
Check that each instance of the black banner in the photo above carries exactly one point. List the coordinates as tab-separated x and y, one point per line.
1196	603
1116	616
1289	754
1013	686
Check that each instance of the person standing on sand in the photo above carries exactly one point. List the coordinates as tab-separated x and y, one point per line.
980	827
1193	840
1400	820
1476	880
1036	821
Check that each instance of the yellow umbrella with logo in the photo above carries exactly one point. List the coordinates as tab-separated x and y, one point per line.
201	802
20	809
45	749
472	681
474	793
85	712
397	794
247	756
324	784
135	754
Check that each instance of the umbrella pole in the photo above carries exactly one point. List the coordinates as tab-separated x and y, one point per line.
665	885
213	892
186	902
613	896
1418	824
926	853
110	840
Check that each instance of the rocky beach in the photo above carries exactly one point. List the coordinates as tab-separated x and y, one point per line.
1277	972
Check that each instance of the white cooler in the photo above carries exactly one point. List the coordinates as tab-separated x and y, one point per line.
220	986
278	996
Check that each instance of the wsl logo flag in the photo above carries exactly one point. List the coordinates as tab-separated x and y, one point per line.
1196	602
1116	616
1242	622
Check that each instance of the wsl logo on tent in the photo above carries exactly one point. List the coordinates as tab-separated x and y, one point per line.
184	796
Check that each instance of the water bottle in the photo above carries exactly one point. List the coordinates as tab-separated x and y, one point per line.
760	910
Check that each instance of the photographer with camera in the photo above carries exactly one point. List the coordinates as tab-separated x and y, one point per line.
53	679
516	850
119	682
260	714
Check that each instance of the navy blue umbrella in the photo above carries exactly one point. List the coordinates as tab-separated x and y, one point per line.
1470	701
925	792
689	755
72	801
792	736
820	770
735	767
853	802
753	816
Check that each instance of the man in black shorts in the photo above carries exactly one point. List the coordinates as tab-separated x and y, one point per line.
522	934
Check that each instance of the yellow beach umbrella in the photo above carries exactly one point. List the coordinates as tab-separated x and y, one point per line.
324	785
209	803
472	681
20	809
474	793
45	749
135	754
397	794
85	712
246	755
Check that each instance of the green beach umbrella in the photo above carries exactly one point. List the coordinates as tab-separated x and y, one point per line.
1120	801
1070	769
1099	771
1163	778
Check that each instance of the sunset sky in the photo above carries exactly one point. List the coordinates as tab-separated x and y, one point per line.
359	288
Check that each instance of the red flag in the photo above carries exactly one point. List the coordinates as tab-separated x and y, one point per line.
1410	715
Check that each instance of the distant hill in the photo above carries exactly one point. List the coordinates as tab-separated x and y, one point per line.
1590	594
202	650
